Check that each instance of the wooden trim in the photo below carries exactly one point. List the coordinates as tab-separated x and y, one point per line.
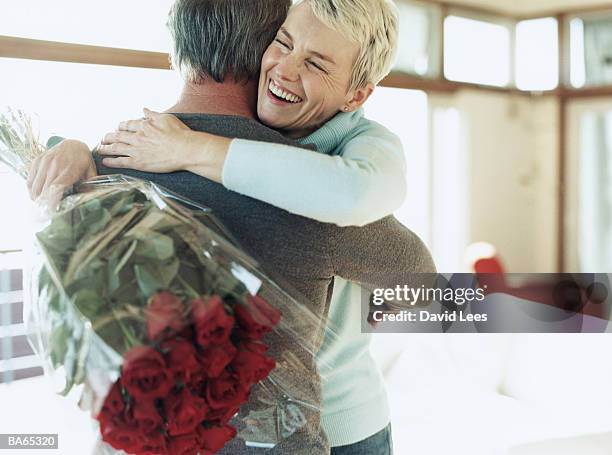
562	142
588	9
408	81
24	48
480	10
587	92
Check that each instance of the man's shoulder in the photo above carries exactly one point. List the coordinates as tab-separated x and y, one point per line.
234	127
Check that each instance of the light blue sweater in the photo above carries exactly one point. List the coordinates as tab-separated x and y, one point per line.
357	177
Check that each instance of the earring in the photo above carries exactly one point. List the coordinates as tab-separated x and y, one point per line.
346	109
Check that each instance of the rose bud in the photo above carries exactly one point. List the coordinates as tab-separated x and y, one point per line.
253	346
221	416
256	317
215	358
213	324
146	416
113	403
154	443
181	358
213	439
145	375
250	367
184	412
164	315
226	392
186	444
121	433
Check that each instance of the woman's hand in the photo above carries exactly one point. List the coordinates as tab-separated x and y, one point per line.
161	143
156	143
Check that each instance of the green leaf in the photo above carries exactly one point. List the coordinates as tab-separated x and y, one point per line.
58	343
89	302
152	278
156	246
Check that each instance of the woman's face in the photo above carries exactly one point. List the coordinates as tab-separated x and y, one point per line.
305	75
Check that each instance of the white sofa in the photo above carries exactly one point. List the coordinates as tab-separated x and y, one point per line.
490	394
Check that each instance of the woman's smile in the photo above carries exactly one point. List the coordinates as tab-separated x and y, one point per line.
282	95
304	74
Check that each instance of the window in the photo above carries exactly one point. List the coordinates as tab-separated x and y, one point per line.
405	112
83	101
591	50
135	24
577	64
476	51
537	54
450	189
595	193
419	49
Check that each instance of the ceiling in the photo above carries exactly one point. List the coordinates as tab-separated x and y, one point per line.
529	7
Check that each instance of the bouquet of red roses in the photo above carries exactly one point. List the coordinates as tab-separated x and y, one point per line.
177	394
178	338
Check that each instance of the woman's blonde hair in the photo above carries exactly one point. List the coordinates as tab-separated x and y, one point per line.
372	24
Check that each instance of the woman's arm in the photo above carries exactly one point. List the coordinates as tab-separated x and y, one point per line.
161	143
364	183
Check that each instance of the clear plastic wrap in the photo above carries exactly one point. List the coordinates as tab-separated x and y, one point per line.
178	337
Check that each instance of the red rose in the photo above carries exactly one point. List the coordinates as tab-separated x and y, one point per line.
181	358
221	416
121	433
250	367
225	392
154	443
145	375
164	315
216	358
145	415
184	412
256	317
213	324
213	439
187	444
253	346
113	403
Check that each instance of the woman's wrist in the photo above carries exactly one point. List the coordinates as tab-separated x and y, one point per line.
206	155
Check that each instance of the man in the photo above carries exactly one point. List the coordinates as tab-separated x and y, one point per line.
218	47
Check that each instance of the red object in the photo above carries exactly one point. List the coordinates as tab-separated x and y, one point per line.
212	323
145	375
164	315
256	317
548	289
177	396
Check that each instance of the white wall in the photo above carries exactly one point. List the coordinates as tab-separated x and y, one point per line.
512	149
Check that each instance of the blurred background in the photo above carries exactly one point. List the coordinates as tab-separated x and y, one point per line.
505	111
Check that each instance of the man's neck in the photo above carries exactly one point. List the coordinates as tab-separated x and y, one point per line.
210	97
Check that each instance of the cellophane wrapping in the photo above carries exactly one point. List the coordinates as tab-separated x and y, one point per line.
177	338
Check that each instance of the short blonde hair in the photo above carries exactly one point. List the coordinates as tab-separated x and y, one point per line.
372	24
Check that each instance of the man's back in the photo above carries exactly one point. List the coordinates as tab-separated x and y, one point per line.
300	254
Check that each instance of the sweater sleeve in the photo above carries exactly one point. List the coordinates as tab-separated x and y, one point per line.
364	182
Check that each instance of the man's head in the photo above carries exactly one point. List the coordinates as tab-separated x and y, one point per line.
223	38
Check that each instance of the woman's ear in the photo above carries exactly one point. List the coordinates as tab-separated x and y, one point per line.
358	97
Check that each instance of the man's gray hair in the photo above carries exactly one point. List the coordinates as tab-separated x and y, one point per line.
220	38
